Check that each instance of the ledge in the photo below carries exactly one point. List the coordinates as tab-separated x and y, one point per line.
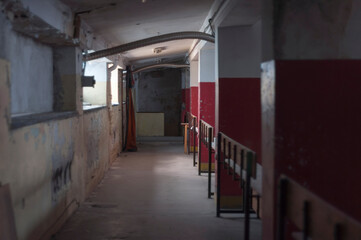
88	109
27	120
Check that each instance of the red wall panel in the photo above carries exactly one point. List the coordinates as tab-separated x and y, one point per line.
206	110
240	111
317	131
194	100
207	102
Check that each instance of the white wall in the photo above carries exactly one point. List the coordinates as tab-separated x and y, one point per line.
207	64
239	51
194	73
31	71
319	30
54	12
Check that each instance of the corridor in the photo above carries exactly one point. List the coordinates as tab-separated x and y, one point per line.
154	193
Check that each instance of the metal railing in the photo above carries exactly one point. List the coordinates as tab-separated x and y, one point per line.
205	136
240	162
192	126
317	219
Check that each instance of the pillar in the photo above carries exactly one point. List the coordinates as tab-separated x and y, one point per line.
67	79
311	110
206	94
238	108
193	95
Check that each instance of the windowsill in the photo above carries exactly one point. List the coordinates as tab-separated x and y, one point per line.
115	104
19	121
92	108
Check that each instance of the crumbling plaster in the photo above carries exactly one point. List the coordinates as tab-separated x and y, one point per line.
31	71
50	166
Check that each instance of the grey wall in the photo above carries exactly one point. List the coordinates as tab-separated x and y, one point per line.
160	91
31	71
239	51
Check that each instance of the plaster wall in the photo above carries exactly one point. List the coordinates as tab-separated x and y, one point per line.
160	92
54	12
207	65
240	52
52	166
313	30
194	73
238	108
31	71
96	140
115	139
150	124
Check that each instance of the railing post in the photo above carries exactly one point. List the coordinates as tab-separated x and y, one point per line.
229	158
241	182
194	141
200	138
337	232
218	200
234	161
281	209
306	220
224	154
247	195
189	135
210	133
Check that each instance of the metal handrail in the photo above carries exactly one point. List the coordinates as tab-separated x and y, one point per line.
318	219
205	136
244	158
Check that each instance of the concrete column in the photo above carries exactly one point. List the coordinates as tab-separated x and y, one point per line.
238	108
311	98
5	119
206	93
194	95
194	87
67	79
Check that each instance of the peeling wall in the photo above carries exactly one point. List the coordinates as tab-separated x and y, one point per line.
96	140
32	92
160	92
52	166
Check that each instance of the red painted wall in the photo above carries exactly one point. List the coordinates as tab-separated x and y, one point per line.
206	100
194	108
240	118
240	111
206	110
194	100
317	131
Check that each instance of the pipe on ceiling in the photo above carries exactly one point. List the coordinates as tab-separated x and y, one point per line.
169	65
147	42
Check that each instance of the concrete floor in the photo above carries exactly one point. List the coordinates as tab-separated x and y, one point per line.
154	193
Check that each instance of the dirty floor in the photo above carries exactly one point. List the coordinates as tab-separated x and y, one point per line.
154	193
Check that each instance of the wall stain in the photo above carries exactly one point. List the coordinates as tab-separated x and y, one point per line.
94	142
35	132
62	160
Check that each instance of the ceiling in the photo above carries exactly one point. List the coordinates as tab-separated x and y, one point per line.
124	21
